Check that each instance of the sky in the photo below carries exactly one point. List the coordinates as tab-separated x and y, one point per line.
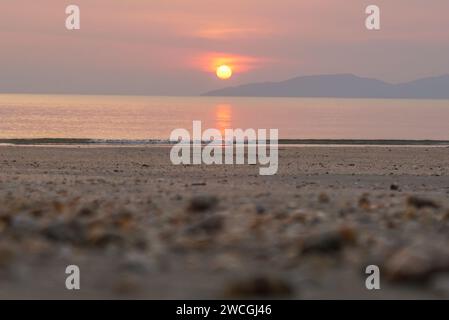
171	47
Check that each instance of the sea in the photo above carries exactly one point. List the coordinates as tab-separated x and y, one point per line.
149	118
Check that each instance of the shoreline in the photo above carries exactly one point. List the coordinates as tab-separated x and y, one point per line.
294	142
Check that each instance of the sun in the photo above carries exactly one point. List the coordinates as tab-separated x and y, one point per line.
224	72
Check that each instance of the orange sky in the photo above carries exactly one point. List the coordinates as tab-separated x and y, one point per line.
171	47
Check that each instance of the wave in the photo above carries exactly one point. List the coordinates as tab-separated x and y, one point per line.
77	141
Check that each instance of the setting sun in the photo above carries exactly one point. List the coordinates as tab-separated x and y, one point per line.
224	72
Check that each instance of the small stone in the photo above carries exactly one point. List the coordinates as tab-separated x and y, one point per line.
6	256
394	187
422	203
202	203
127	285
199	184
71	231
364	202
416	263
307	217
104	238
210	225
123	219
177	197
86	212
23	224
5	221
58	206
406	265
323	198
329	241
259	287
260	209
445	217
440	285
134	264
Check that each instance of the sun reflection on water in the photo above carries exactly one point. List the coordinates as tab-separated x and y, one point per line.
223	117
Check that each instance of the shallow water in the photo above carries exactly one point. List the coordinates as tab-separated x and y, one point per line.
136	118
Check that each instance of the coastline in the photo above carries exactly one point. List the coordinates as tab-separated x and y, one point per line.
313	142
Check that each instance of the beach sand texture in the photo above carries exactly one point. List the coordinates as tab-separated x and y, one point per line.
140	227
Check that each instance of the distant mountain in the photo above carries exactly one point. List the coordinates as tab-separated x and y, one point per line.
341	86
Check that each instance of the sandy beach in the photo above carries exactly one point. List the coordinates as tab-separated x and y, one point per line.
140	227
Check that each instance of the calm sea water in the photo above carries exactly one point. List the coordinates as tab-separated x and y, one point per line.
124	117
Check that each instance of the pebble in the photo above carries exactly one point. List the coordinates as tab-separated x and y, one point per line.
323	198
71	231
329	241
127	285
105	237
6	256
419	203
307	217
440	285
210	225
394	187
202	203
134	265
364	202
260	209
259	287
23	224
416	263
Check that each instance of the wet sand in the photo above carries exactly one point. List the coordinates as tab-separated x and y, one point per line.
139	227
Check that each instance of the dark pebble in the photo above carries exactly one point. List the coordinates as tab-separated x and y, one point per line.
209	225
394	187
422	203
329	241
202	203
259	287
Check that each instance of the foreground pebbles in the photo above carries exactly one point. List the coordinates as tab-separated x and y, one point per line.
205	234
417	263
85	227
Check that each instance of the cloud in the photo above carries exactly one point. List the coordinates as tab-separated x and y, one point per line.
230	33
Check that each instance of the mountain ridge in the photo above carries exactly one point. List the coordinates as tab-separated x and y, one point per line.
344	85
